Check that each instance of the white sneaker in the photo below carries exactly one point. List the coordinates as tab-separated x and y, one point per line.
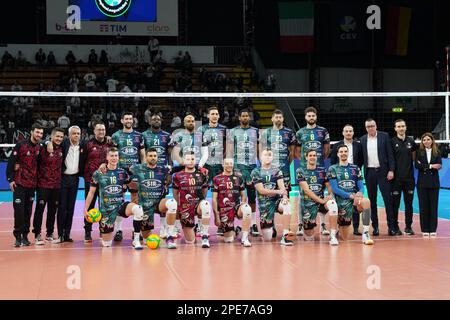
163	233
334	241
39	241
246	243
49	238
300	231
425	234
433	234
106	244
366	239
205	242
137	245
177	232
323	230
171	244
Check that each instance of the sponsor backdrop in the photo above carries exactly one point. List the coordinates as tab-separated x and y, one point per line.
112	17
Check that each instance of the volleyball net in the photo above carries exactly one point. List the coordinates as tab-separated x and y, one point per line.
422	111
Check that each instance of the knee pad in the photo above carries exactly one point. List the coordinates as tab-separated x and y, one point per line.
138	213
286	207
171	206
267	234
205	209
332	207
246	211
228	239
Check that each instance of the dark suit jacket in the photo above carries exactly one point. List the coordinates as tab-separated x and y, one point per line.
65	145
385	153
357	153
428	178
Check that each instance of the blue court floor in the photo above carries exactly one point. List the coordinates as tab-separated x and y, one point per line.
444	201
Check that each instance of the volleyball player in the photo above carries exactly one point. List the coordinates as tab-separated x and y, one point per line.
347	185
243	148
159	139
213	136
272	197
190	187
111	186
153	181
230	202
313	137
131	151
313	181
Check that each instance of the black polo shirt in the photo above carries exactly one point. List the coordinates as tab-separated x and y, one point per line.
403	150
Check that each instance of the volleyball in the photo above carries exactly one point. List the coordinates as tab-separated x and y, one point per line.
94	215
153	241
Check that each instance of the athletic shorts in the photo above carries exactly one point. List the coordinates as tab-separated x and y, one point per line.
227	217
187	216
267	211
309	212
106	225
345	211
149	214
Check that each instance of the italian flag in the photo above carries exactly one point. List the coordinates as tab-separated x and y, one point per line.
398	24
296	26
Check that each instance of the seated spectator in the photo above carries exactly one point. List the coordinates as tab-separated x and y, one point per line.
89	80
103	57
39	57
93	58
16	86
178	60
73	83
7	60
64	122
112	84
21	60
176	122
153	48
51	60
159	58
125	88
70	58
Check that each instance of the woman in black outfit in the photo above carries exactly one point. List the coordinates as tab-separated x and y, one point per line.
428	162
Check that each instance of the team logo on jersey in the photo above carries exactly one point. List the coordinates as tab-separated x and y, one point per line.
314	187
245	145
130	151
346	184
114	189
152	183
113	8
279	146
313	145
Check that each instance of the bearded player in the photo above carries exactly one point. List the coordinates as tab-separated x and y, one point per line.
347	184
153	181
190	187
229	202
313	182
131	151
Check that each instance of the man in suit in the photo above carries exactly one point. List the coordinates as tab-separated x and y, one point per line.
379	166
69	184
355	156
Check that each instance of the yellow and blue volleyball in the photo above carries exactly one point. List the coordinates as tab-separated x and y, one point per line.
153	241
94	215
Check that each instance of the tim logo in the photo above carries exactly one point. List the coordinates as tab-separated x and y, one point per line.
113	28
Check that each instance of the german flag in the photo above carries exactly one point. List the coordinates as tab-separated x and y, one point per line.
397	34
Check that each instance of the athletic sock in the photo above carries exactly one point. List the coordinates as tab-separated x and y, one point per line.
333	233
253	218
136	236
163	223
171	230
366	229
137	226
118	223
244	235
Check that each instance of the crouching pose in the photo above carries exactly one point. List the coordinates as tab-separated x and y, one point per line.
313	181
272	197
347	185
190	187
111	198
229	202
153	182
